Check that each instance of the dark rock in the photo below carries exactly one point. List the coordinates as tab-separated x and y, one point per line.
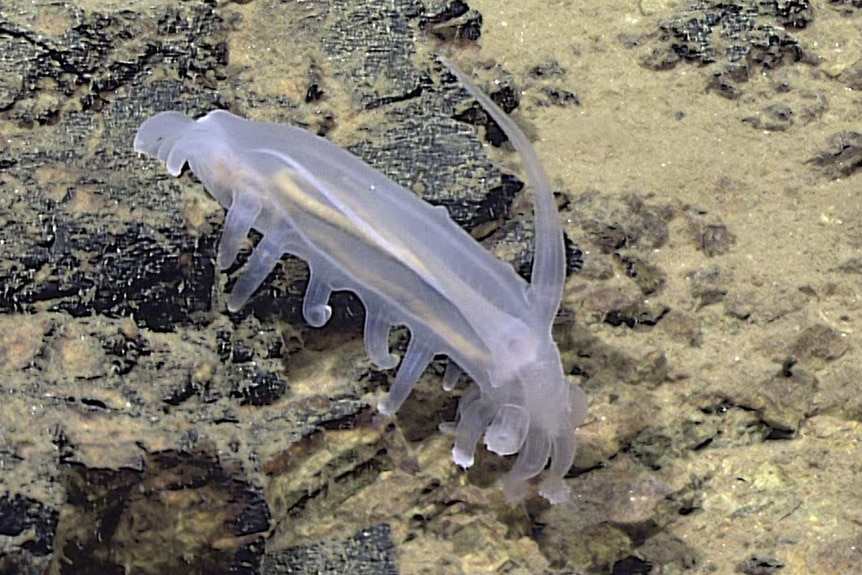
370	551
381	72
852	75
631	566
760	566
786	401
452	20
682	326
574	256
734	39
561	97
505	96
764	306
648	277
708	285
847	6
614	223
179	505
259	387
717	240
772	118
842	157
670	551
819	344
22	515
548	69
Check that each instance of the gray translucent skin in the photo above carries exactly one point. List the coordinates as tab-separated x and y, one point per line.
410	264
